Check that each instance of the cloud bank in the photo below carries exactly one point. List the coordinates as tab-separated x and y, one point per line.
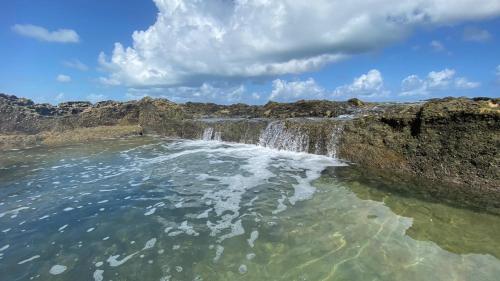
42	34
194	42
435	81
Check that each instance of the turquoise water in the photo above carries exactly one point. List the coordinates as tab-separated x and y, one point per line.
154	209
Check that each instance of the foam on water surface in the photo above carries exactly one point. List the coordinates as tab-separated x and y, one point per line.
205	210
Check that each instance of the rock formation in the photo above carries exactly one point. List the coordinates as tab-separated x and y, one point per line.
451	141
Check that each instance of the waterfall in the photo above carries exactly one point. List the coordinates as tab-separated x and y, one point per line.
210	134
322	139
278	136
333	141
218	136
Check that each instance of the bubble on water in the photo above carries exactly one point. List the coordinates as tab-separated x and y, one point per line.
250	256
4	248
178	268
99	264
57	269
91	229
105	238
242	269
68	209
176	247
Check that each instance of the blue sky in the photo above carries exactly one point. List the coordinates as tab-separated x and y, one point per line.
226	52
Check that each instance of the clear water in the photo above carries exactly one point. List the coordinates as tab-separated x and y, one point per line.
153	209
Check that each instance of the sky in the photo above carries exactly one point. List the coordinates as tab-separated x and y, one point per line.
250	51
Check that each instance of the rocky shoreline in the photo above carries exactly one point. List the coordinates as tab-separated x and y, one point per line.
451	142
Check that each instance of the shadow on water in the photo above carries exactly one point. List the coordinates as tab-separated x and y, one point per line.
455	229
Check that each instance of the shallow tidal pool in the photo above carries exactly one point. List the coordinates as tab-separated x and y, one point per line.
155	209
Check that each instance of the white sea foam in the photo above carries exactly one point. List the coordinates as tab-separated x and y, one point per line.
62	227
150	212
57	269
253	236
188	229
281	206
98	275
150	244
14	211
4	248
218	252
114	262
204	215
29	259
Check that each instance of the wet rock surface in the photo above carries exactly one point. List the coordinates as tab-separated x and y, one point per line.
454	141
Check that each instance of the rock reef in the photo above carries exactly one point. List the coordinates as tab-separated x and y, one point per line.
453	142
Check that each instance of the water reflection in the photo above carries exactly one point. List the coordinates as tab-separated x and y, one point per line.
458	230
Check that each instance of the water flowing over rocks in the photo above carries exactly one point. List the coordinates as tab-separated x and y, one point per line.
454	141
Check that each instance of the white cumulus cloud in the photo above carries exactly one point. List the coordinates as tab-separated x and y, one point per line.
464	83
435	81
370	84
76	64
226	94
42	34
63	78
195	41
285	91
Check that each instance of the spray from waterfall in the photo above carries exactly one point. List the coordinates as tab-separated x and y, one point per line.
297	138
211	134
278	136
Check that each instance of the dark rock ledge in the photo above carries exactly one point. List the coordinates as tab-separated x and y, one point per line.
451	142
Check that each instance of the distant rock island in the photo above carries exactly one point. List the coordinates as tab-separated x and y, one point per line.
450	142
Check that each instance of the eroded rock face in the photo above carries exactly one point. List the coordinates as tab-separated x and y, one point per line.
453	140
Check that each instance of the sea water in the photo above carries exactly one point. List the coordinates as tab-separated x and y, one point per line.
156	209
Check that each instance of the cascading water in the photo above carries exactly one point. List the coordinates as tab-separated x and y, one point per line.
210	134
320	139
278	136
218	136
333	141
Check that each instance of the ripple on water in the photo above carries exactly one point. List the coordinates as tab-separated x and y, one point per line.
215	211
